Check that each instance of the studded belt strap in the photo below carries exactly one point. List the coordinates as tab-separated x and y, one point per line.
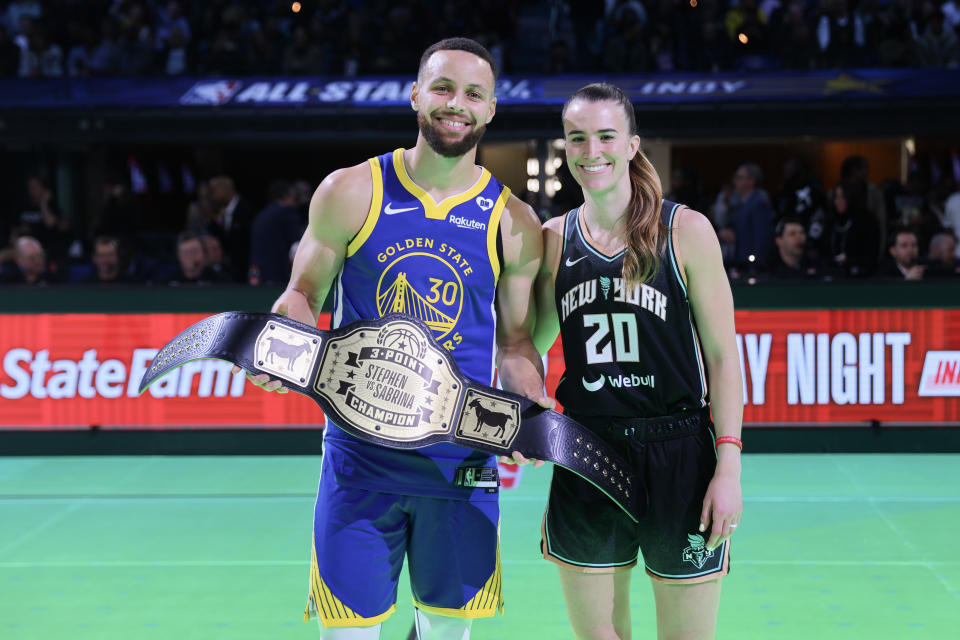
388	382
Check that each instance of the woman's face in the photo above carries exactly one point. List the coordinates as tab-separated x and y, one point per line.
598	144
839	200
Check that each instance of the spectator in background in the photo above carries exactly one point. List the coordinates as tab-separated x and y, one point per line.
791	262
29	265
9	54
192	258
626	48
301	57
751	220
801	197
42	58
951	215
107	262
106	57
841	35
903	250
176	56
41	217
275	229
854	232
216	261
942	259
232	224
685	188
938	47
854	170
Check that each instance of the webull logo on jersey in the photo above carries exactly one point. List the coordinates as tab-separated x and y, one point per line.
467	223
620	381
34	374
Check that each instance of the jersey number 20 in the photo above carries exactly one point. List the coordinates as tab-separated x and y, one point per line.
623	347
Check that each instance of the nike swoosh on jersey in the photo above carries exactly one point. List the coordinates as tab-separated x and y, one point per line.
389	210
570	263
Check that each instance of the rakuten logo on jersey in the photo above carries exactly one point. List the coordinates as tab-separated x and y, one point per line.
941	374
33	374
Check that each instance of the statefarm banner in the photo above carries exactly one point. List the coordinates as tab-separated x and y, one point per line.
841	367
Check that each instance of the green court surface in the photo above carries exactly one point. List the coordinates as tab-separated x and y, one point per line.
831	546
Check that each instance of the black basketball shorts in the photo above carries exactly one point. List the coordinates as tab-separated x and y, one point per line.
584	530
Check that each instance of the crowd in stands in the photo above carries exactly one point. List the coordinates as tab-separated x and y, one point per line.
55	38
225	239
854	229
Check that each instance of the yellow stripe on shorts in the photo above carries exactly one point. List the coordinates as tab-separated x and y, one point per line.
330	609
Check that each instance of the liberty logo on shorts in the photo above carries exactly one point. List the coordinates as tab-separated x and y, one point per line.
697	553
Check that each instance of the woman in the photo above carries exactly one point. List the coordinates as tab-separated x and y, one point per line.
636	288
855	236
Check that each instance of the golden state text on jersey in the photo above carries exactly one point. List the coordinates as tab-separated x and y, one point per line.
437	262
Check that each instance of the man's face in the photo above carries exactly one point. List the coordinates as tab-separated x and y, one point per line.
31	258
904	249
191	258
214	250
946	252
35	189
454	101
742	182
793	240
106	260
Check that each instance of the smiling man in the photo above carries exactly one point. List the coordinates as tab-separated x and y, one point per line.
427	232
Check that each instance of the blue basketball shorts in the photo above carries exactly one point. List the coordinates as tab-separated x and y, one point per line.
361	537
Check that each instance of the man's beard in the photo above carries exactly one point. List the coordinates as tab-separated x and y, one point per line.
449	149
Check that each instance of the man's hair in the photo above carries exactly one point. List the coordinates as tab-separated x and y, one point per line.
753	171
897	232
459	44
852	165
187	236
784	221
100	240
940	238
279	189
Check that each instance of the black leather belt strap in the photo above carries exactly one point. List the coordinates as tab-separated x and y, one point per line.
388	382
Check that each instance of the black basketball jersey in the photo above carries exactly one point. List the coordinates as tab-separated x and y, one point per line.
629	350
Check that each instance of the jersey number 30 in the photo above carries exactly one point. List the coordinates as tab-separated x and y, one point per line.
623	347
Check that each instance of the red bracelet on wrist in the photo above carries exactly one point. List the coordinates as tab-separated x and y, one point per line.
731	439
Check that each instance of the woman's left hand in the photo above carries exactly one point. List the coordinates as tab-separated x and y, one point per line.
722	507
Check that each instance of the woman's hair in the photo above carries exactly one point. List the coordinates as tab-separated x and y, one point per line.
646	233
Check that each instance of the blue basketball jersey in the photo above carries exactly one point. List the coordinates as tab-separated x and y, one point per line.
437	262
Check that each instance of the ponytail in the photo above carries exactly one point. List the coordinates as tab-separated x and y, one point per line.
646	233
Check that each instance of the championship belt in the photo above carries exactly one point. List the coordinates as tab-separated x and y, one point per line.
388	382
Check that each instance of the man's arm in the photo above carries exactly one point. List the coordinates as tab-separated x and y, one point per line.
712	303
518	363
338	210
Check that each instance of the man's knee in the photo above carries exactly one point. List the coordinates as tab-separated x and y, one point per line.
349	633
432	626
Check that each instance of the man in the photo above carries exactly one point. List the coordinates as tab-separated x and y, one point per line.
232	224
275	229
106	260
429	223
942	258
903	250
752	219
29	264
791	261
192	258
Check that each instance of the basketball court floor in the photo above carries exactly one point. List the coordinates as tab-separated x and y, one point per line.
830	547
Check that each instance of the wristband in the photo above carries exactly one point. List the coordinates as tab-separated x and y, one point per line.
731	439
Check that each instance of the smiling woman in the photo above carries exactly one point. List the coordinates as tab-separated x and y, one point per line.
635	287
